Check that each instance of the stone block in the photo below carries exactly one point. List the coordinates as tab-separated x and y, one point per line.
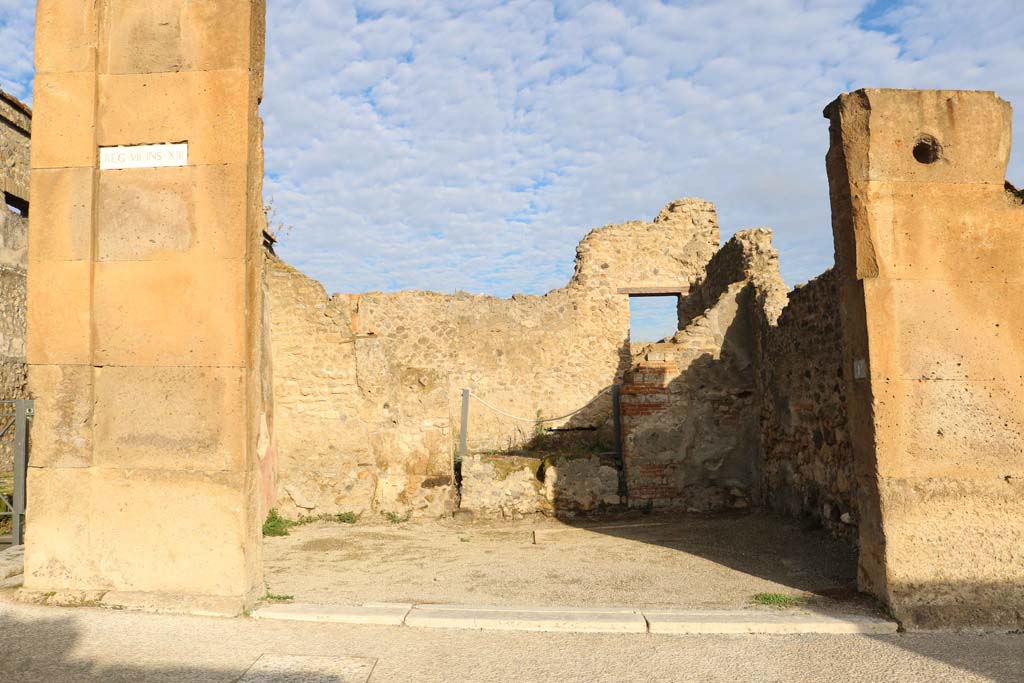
62	214
148	214
64	117
146	549
971	129
183	312
62	425
59	313
60	553
207	109
944	330
171	418
110	529
69	32
151	36
952	429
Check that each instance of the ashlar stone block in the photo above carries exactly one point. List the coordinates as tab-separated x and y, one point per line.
181	312
153	36
153	214
207	109
64	120
62	208
170	418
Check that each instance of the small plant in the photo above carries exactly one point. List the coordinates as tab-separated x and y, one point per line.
778	600
276	525
343	518
464	539
396	518
273	597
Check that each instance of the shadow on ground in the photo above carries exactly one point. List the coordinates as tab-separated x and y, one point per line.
762	545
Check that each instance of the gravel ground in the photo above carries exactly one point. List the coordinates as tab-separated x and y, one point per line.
631	560
52	645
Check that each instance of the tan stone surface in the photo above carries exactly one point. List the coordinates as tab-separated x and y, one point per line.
152	214
66	36
158	36
170	418
109	529
807	468
65	118
205	108
689	415
59	313
929	255
62	214
62	428
180	312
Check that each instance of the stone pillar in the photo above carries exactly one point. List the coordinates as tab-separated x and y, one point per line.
144	303
930	258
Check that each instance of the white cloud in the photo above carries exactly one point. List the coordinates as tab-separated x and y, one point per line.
469	145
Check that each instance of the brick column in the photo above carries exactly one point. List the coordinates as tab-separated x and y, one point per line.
144	304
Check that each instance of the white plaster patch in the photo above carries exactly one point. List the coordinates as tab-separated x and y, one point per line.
300	669
144	156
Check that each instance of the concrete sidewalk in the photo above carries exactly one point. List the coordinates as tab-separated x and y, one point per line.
57	645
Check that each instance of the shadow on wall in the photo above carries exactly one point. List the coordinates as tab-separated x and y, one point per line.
573	467
690	419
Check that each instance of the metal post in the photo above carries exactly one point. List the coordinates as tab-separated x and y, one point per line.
617	420
464	428
21	411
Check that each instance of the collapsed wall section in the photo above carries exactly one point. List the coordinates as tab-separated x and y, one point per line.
368	386
689	409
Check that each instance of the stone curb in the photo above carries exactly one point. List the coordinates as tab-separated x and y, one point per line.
528	619
583	619
757	621
381	614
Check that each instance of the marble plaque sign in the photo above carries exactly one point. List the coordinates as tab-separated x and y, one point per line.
144	156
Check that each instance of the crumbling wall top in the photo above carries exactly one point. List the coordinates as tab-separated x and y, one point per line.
15	130
668	253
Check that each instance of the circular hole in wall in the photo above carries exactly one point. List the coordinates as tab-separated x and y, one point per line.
927	150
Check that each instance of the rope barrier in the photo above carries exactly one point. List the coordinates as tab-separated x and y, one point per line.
541	421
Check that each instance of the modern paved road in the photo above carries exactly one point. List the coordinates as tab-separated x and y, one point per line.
56	645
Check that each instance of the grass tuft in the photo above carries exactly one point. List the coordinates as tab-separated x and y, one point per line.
778	600
396	518
272	597
276	525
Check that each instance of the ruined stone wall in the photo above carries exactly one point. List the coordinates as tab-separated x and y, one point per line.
15	129
806	458
689	413
367	386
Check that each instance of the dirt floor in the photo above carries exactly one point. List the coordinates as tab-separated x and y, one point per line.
628	560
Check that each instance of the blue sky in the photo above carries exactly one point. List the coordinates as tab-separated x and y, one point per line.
470	145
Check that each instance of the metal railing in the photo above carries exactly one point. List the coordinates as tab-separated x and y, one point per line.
614	390
16	413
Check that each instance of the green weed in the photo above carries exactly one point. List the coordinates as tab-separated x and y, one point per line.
276	525
396	518
779	600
